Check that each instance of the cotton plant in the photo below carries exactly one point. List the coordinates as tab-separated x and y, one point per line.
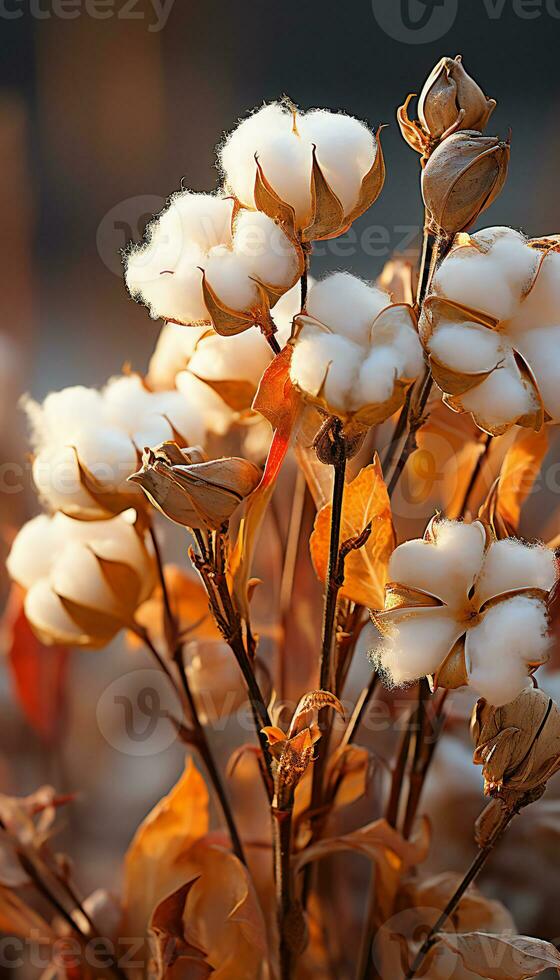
254	444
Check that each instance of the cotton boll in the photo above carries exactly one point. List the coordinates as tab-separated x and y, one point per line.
57	479
541	349
377	377
466	347
108	454
62	415
516	260
33	551
204	218
421	642
512	635
237	155
446	569
347	305
174	348
501	399
227	273
346	151
217	416
323	361
477	282
47	615
510	565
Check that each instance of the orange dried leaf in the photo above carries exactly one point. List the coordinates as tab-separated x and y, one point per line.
189	604
365	501
520	469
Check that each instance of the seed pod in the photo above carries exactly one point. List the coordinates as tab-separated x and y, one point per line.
193	493
461	179
450	100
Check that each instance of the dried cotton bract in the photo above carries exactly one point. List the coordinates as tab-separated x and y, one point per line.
316	172
87	442
492	329
354	353
466	609
83	580
204	262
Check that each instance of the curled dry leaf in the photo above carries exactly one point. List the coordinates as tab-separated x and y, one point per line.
520	469
365	571
293	750
499	957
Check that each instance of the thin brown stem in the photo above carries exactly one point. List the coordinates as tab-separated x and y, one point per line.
282	812
360	709
485	446
288	574
470	876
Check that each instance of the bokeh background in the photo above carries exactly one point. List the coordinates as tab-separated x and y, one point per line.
100	119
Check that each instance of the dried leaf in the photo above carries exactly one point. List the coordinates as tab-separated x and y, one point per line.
309	704
236	393
365	501
520	469
189	604
502	957
39	672
176	959
152	863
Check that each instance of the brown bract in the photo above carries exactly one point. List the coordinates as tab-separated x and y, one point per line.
328	216
293	750
450	100
192	491
461	179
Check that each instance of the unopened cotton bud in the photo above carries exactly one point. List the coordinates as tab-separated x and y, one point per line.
450	100
461	179
194	493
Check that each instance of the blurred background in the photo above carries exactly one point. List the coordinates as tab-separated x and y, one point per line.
106	106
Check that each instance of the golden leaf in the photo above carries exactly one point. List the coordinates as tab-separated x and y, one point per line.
152	863
365	501
372	183
176	959
520	469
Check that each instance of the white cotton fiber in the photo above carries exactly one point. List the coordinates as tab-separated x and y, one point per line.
347	305
501	399
33	551
475	280
57	479
446	569
419	645
466	346
512	634
228	274
218	417
323	360
377	377
174	349
270	254
394	326
62	415
77	576
540	348
344	147
510	565
46	613
183	415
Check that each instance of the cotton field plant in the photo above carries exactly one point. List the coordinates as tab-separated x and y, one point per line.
271	397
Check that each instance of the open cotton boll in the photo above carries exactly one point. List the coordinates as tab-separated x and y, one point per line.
269	253
33	551
512	635
510	565
418	646
476	281
347	305
325	361
466	347
283	141
62	415
446	569
501	399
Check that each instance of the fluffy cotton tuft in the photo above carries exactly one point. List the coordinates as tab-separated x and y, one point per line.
502	640
353	346
103	432
283	144
198	232
56	556
501	276
511	635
